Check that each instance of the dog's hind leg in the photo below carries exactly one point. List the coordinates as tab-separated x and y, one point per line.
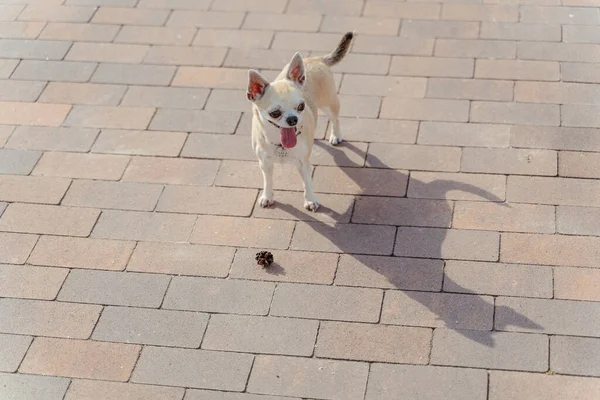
266	166
333	112
310	199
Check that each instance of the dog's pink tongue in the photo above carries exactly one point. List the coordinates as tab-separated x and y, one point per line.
288	137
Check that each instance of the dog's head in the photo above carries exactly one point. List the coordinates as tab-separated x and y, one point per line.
280	102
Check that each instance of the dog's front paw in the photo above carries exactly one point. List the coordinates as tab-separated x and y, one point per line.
334	140
311	205
266	202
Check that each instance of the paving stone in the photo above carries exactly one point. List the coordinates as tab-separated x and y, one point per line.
234	231
10	11
109	117
36	114
515	113
470	89
172	171
447	244
498	279
578	220
383	86
550	51
520	31
20	30
432	67
228	147
343	238
509	161
265	335
114	288
115	3
207	121
42	12
327	7
80	359
155	35
185	55
134	74
289	266
414	157
92	94
574	355
14	348
113	195
270	21
66	71
457	186
51	220
517	70
389	273
456	311
195	394
151	327
559	191
18	162
439	29
82	166
504	217
550	250
32	387
130	16
494	350
578	165
79	32
15	248
48	318
207	19
368	342
5	133
561	317
148	143
325	379
14	90
479	48
27	282
556	93
327	302
181	259
52	139
579	72
460	134
33	49
406	11
576	284
363	25
522	386
207	200
237	38
70	252
402	211
181	367
226	296
165	97
90	390
107	52
421	109
559	15
224	78
388	382
480	12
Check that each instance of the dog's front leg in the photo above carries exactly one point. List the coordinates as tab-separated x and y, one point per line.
266	166
310	200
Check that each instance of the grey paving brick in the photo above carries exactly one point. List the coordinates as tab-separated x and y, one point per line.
402	211
265	335
33	49
226	296
80	389
15	90
193	368
391	382
324	379
327	302
14	348
134	74
494	350
115	288
195	121
165	97
195	394
46	318
456	311
152	327
523	386
61	71
18	162
575	355
561	317
29	282
32	387
116	195
52	139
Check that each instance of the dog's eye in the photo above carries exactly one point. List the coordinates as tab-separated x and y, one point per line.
300	107
275	113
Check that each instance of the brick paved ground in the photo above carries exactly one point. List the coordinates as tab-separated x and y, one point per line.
456	255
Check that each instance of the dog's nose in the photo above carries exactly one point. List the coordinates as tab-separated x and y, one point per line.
291	120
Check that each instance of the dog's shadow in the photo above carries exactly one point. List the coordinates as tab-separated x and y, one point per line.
434	243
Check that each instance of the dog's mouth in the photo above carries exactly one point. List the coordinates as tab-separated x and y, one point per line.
288	137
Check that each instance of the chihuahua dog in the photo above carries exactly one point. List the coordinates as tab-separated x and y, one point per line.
285	116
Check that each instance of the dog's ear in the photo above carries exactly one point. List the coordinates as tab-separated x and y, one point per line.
296	70
257	85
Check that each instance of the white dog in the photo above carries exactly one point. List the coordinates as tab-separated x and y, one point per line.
285	116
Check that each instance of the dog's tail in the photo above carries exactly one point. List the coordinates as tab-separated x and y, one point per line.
340	52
